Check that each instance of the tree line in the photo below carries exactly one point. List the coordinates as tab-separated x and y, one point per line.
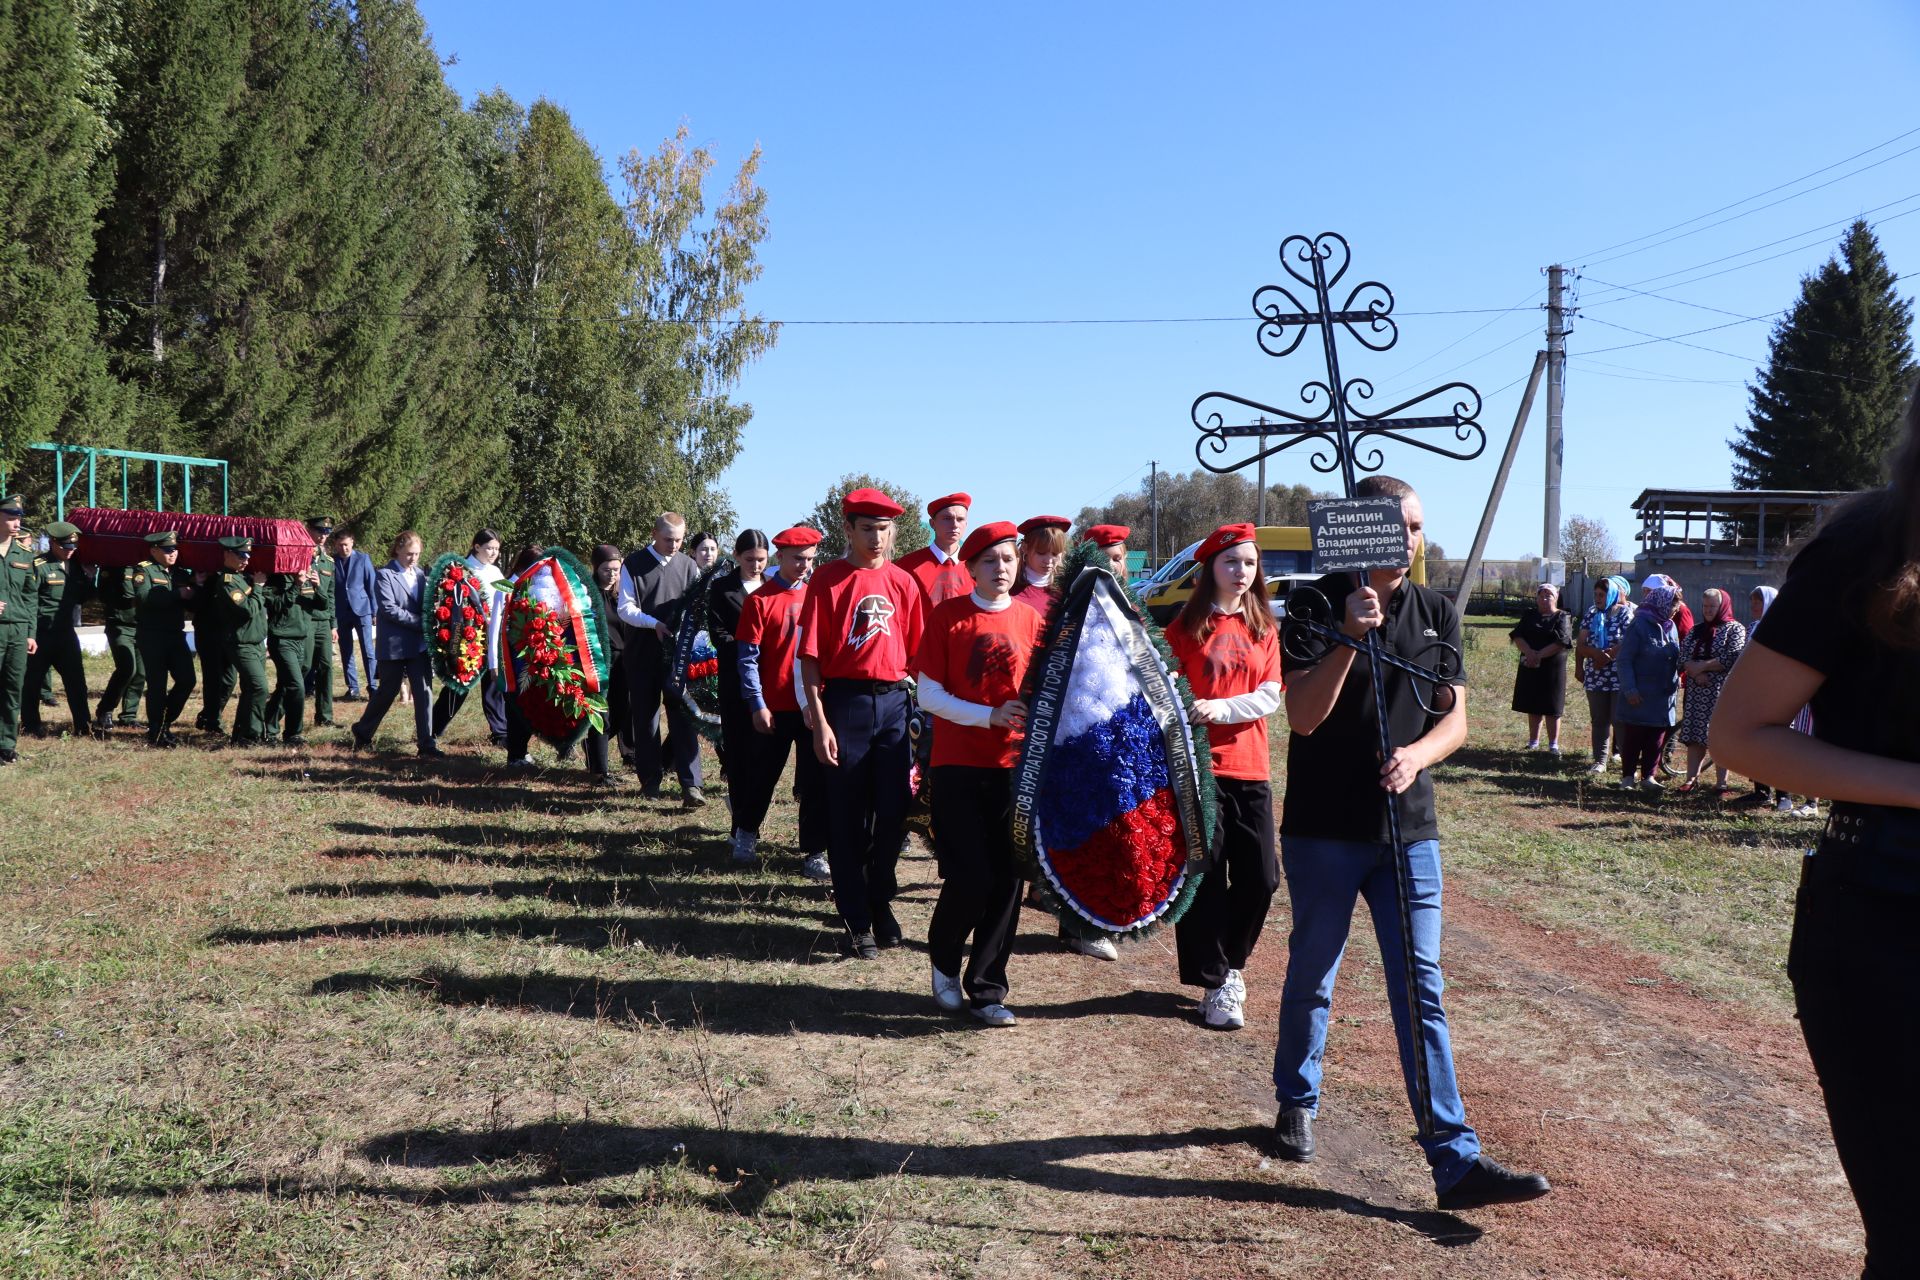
269	231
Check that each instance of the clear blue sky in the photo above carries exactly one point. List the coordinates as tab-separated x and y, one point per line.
1111	161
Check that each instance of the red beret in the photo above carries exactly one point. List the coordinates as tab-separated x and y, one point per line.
870	502
987	535
1037	523
1108	535
1227	535
799	536
951	500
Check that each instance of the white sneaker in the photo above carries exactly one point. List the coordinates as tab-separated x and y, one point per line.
1807	811
1598	768
1221	1010
1098	948
744	846
1533	744
995	1015
946	992
522	762
1237	984
1553	749
815	867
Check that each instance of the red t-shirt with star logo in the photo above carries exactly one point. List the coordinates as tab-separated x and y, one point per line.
771	619
861	624
978	655
941	579
1228	663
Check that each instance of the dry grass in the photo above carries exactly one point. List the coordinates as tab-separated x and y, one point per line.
313	1014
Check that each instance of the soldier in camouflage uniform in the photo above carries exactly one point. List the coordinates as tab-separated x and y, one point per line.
163	592
238	601
19	610
62	590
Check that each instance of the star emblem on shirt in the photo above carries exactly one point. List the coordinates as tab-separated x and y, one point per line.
873	616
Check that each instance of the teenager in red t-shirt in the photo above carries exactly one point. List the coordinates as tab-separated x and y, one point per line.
1043	540
861	622
1229	650
936	566
969	670
768	637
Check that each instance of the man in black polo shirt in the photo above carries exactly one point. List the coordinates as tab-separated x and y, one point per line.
1334	848
652	582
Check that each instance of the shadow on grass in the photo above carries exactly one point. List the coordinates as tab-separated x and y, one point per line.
745	940
728	1008
566	1155
733	896
452	782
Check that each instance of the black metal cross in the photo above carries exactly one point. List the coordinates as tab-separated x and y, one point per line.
1335	415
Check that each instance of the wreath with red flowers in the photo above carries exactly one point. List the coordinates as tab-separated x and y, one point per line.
692	661
456	619
558	655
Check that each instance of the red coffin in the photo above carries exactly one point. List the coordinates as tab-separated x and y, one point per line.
115	538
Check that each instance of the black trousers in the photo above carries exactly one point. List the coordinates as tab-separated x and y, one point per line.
168	667
58	649
389	674
1855	966
765	760
493	703
620	707
736	734
866	796
519	737
648	703
1229	909
979	886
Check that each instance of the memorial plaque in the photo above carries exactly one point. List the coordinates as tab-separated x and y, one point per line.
1354	534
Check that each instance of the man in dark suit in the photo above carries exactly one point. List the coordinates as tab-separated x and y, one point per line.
652	582
354	607
400	590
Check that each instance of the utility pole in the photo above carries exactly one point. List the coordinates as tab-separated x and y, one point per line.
1556	405
1153	513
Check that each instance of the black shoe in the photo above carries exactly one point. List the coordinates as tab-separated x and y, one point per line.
1293	1135
866	946
358	743
325	724
102	722
1487	1183
693	798
34	730
650	790
886	930
432	751
295	741
9	757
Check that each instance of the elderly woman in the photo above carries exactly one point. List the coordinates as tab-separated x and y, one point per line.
1543	638
1649	666
1710	651
1597	647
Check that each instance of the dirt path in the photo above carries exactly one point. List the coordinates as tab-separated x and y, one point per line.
1684	1138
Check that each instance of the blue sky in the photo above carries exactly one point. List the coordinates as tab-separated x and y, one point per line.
1128	161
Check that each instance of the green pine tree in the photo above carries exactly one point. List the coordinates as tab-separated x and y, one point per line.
1839	369
54	383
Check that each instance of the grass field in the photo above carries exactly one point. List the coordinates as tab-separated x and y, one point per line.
315	1014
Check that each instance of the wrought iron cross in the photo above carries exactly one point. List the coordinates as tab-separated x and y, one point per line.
1335	415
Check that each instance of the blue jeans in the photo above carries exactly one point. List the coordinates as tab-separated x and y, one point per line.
353	629
1323	879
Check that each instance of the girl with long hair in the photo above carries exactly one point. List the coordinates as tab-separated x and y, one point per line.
1844	636
1229	650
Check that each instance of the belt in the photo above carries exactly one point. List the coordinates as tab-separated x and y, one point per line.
874	687
1870	846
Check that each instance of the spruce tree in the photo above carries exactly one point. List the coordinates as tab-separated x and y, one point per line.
53	378
1840	366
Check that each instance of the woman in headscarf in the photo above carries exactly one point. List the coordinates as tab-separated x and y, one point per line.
1710	653
1597	650
1649	666
1543	637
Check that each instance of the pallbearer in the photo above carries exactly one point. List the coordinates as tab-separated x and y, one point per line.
1229	651
936	566
113	587
294	609
1112	539
861	622
769	645
241	603
19	609
56	639
163	592
320	611
969	669
1043	539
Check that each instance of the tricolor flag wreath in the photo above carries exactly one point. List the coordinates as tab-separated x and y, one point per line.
556	648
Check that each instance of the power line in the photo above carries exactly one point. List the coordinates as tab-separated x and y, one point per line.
1731	355
1755	196
1634	373
1824	227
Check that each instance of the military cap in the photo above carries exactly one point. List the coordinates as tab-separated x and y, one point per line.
243	545
14	506
322	523
166	540
61	531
